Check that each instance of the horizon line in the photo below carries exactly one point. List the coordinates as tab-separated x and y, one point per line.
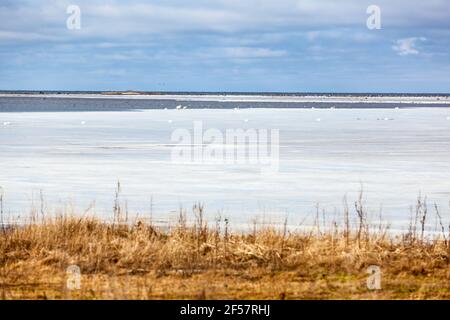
191	92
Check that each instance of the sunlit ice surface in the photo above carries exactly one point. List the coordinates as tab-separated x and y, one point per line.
76	159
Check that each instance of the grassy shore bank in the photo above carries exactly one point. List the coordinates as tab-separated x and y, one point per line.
195	261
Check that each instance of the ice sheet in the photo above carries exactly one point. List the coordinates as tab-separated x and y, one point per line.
77	157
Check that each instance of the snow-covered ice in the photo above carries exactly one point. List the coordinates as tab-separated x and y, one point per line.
74	163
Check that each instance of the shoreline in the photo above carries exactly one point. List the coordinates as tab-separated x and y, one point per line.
200	262
378	99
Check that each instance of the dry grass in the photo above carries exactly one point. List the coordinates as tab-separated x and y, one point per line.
139	261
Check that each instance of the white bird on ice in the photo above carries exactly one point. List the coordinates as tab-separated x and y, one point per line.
83	122
6	123
318	120
178	107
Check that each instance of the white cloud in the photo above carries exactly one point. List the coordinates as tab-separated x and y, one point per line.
407	46
114	19
246	52
24	36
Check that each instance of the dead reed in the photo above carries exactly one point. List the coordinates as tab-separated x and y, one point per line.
137	260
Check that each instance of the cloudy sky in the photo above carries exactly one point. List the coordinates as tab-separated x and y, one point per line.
226	45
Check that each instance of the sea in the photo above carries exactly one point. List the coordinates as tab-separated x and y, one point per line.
70	153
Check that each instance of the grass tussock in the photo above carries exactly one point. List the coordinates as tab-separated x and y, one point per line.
137	260
140	261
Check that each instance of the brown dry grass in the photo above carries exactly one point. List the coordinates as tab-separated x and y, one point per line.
139	261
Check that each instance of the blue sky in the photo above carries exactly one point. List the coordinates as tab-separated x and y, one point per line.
226	45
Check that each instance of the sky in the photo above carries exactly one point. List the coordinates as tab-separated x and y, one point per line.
225	45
